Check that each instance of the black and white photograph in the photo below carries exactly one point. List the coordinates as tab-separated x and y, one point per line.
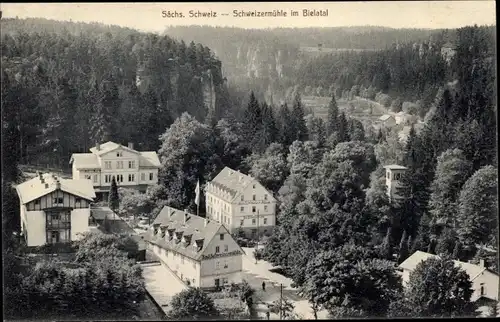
249	160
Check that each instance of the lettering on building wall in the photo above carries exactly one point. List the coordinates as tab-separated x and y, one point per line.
211	256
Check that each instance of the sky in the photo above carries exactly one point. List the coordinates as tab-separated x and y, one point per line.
148	16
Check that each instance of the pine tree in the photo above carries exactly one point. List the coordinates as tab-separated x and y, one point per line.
285	135
299	128
253	118
113	199
342	128
332	118
386	247
403	248
457	251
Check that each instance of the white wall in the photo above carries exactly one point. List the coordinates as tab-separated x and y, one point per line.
489	281
184	267
79	222
232	210
146	176
209	281
35	224
209	267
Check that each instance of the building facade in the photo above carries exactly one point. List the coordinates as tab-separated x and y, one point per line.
240	203
484	281
201	252
393	175
130	168
54	210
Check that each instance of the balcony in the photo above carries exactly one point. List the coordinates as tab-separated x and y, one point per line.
59	224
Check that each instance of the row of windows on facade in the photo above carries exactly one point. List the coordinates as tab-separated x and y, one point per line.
242	209
397	176
174	255
242	198
119	165
119	177
227	220
58	200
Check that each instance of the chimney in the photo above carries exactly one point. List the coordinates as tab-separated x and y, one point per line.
40	175
131	145
58	184
98	146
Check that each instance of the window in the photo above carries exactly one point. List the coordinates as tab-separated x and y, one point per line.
225	280
265	208
265	221
253	221
242	209
87	176
78	199
482	290
253	197
131	164
253	209
37	202
119	164
131	177
119	154
265	197
143	177
225	264
242	198
119	178
107	164
58	200
217	265
217	249
151	174
95	177
253	186
221	236
55	217
107	178
242	222
226	248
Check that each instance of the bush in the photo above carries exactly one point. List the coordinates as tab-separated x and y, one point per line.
192	303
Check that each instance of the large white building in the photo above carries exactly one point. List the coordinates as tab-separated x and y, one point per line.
199	251
130	168
54	210
484	281
240	203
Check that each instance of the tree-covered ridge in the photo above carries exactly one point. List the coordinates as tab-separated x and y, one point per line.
68	85
369	37
409	71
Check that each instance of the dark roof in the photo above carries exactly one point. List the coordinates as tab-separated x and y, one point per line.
181	222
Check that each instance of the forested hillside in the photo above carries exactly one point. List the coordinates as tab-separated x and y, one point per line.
68	85
270	61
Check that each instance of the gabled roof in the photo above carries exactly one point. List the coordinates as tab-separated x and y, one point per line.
395	167
385	117
183	222
85	160
233	183
147	159
471	269
34	188
110	146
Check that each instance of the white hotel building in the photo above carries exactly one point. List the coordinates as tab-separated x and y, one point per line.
199	251
131	168
54	210
240	203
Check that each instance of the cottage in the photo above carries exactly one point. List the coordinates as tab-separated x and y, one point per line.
484	281
201	252
54	210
